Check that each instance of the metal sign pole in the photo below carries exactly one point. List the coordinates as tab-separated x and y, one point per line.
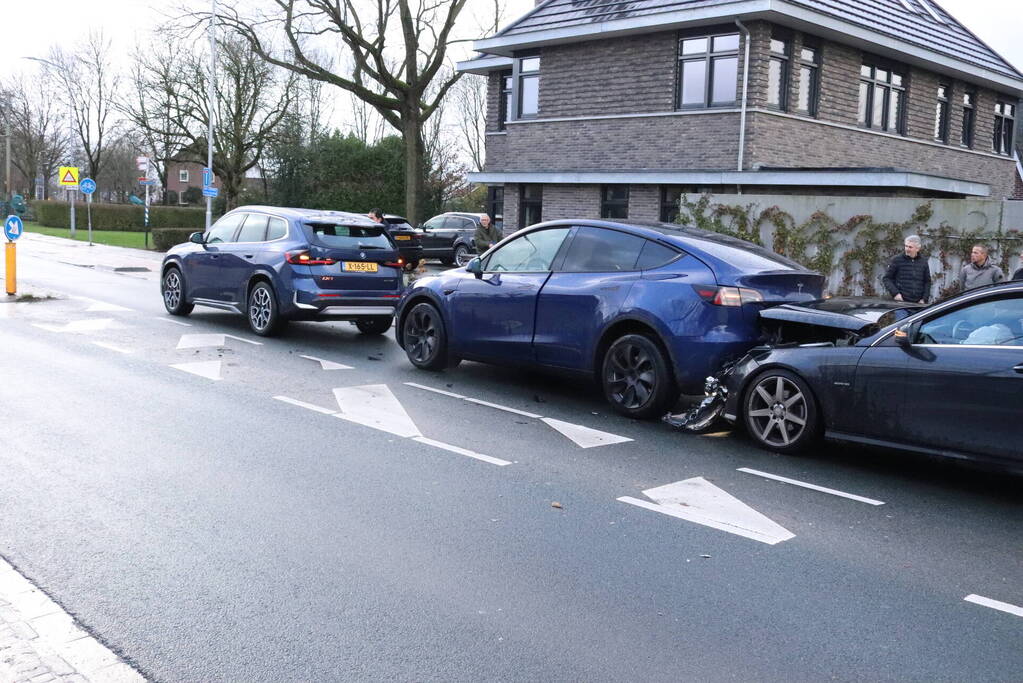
146	212
211	96
88	211
73	213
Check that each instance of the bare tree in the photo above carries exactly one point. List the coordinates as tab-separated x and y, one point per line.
252	99
39	134
403	59
470	97
86	83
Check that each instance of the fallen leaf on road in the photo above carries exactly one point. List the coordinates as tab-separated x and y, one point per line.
705	556
558	505
539	399
373	358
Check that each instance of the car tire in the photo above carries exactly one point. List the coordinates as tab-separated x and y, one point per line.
446	261
262	311
636	377
172	286
780	412
424	338
377	324
462	256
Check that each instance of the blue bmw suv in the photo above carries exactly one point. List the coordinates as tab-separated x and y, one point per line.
273	265
648	309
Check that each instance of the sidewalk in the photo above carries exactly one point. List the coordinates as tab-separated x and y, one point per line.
140	262
40	642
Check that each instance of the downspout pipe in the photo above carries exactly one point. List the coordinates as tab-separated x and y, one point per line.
745	93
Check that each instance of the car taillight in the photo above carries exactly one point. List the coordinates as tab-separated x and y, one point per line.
395	264
728	296
302	258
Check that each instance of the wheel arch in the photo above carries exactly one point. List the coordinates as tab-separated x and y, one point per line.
622	327
414	300
748	381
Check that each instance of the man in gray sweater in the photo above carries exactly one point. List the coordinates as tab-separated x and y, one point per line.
980	271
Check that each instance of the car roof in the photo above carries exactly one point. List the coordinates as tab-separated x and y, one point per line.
315	215
701	243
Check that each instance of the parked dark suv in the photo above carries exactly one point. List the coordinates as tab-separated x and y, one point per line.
449	236
407	239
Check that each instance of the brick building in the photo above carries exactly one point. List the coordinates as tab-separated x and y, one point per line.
615	108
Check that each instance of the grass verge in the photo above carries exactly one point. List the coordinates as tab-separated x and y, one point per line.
114	238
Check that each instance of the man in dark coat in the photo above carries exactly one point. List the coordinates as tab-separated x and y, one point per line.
1018	275
908	277
487	234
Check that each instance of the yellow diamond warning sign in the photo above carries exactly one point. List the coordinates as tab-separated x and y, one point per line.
68	176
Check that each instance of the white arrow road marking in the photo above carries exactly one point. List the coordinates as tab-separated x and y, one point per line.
98	306
373	405
173	322
193	341
210	369
329	364
461	451
80	326
697	500
995	604
111	347
814	487
584	437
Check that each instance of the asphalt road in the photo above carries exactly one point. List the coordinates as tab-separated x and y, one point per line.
239	529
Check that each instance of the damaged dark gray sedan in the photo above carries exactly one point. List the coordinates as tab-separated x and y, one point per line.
946	379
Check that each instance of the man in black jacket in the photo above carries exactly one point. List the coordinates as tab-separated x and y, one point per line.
1018	275
908	277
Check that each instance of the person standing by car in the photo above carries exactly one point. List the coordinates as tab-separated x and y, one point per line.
487	234
908	277
980	271
1018	275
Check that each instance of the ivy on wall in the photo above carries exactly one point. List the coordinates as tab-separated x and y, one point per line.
857	250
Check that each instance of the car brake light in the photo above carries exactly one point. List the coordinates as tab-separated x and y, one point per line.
728	296
395	264
302	258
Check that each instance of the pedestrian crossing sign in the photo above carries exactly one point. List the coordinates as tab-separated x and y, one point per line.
68	176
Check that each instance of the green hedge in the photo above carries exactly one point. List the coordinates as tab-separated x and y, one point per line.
127	217
165	238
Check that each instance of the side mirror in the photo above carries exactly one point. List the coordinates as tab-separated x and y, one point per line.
904	336
475	267
196	238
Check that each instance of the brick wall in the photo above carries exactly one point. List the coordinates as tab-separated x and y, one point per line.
570	201
645	202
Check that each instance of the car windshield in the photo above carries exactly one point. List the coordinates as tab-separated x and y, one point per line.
348	236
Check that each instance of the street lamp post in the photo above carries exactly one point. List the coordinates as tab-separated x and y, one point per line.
211	96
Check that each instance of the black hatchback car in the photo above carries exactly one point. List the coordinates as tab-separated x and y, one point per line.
946	379
449	237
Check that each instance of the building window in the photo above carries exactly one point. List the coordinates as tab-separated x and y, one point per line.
183	175
528	87
1005	118
530	205
708	71
671	198
882	98
941	114
969	114
614	201
778	73
809	79
495	205
504	103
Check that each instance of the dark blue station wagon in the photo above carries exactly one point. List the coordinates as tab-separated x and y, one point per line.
273	265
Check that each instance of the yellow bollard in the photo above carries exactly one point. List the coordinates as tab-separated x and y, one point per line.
12	274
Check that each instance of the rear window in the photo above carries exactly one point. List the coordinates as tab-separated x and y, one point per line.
748	257
348	236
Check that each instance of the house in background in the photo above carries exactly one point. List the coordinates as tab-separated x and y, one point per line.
183	175
616	108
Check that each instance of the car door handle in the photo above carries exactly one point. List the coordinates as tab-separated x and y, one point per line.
664	276
249	255
1019	368
214	256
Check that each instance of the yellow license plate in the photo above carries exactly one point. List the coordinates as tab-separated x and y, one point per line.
359	267
402	237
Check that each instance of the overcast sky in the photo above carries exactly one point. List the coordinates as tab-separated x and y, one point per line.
33	26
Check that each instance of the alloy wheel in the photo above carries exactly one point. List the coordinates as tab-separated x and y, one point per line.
172	290
260	308
462	256
777	411
420	335
631	376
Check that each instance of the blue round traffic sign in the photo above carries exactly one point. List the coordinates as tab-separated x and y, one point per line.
13	227
87	186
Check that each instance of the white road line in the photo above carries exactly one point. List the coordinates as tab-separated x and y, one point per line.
97	305
995	604
79	326
516	411
584	437
54	634
303	404
172	322
436	391
243	339
209	369
794	482
111	347
373	405
461	451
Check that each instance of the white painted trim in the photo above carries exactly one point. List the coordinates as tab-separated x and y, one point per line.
495	133
641	115
995	604
461	451
818	23
483	66
899	179
869	131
